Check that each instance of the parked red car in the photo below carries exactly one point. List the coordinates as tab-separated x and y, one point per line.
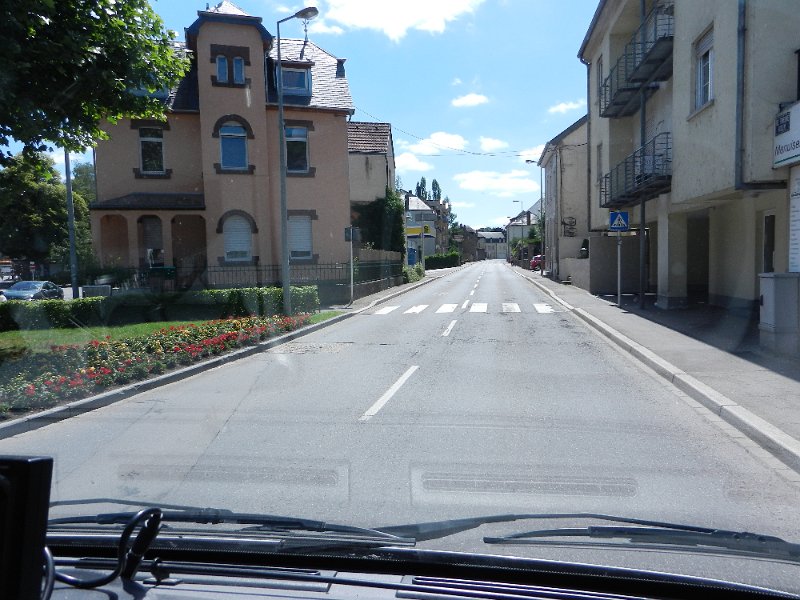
537	262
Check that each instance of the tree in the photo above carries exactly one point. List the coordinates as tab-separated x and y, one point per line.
398	182
436	191
68	64
382	222
34	208
421	191
83	181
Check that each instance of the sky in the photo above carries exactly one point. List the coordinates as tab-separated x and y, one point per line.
472	88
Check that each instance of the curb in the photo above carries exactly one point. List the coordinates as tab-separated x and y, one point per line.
84	405
771	438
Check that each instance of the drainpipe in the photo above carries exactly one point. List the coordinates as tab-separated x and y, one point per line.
739	182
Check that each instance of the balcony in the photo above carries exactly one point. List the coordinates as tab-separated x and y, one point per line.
646	58
641	176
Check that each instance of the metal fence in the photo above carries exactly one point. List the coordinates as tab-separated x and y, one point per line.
644	174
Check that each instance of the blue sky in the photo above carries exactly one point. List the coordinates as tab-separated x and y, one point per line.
471	87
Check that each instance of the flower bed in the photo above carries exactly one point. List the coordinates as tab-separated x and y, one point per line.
37	381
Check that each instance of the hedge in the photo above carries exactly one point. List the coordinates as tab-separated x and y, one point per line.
440	261
146	307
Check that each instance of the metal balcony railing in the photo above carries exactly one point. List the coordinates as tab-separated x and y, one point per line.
641	176
647	57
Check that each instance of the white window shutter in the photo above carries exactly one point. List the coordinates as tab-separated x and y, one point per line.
300	236
237	238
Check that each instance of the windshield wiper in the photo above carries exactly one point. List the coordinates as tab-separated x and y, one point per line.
173	513
702	539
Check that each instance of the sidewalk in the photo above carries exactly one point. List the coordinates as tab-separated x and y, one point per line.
711	355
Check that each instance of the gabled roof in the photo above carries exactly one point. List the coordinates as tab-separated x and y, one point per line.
225	12
329	88
415	203
227	8
369	138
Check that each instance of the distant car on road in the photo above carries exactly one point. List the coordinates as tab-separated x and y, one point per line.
34	290
537	262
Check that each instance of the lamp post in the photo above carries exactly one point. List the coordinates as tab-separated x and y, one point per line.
305	14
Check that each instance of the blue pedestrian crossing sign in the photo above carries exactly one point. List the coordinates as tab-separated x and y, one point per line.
618	220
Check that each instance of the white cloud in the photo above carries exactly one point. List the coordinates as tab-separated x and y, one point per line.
470	99
58	157
406	162
394	19
498	184
565	107
491	144
322	27
438	141
457	81
531	153
462	204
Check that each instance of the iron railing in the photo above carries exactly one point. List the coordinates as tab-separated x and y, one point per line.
642	175
229	276
647	57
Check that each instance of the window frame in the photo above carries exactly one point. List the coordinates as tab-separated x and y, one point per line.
227	135
222	73
296	139
238	63
302	254
151	140
703	87
293	90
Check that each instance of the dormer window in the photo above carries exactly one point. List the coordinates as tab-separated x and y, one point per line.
222	69
296	82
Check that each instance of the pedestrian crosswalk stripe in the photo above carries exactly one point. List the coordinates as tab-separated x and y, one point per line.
479	307
386	310
543	308
416	309
447	308
509	307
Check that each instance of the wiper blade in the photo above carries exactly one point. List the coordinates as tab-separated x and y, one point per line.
702	538
438	529
172	513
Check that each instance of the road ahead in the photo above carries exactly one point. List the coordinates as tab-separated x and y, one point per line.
473	394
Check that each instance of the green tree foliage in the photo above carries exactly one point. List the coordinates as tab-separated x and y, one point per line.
67	64
83	181
382	222
436	191
421	191
33	202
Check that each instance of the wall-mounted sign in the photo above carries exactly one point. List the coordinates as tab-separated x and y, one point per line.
786	149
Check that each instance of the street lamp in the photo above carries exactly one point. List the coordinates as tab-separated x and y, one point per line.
305	14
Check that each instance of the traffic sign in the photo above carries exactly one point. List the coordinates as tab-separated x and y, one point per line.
618	220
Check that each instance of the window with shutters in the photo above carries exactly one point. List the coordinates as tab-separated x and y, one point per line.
300	247
237	239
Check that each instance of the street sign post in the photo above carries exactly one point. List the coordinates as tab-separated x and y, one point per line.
352	234
618	221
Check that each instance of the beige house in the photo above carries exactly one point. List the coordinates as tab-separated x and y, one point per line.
682	103
371	155
200	191
564	160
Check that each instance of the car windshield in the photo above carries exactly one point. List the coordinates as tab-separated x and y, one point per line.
27	285
394	264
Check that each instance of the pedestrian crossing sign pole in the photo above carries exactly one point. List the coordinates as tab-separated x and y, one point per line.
618	221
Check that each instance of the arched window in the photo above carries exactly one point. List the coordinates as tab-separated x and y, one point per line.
222	69
237	234
233	146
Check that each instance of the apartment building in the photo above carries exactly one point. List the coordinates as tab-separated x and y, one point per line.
564	160
683	97
200	191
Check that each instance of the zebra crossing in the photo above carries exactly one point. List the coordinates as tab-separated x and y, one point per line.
474	307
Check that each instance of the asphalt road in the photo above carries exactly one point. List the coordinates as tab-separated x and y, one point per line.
473	394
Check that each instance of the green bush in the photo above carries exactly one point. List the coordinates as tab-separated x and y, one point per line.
441	261
412	274
146	307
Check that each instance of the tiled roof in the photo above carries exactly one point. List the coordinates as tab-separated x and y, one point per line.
415	203
373	138
227	8
186	96
329	88
145	201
